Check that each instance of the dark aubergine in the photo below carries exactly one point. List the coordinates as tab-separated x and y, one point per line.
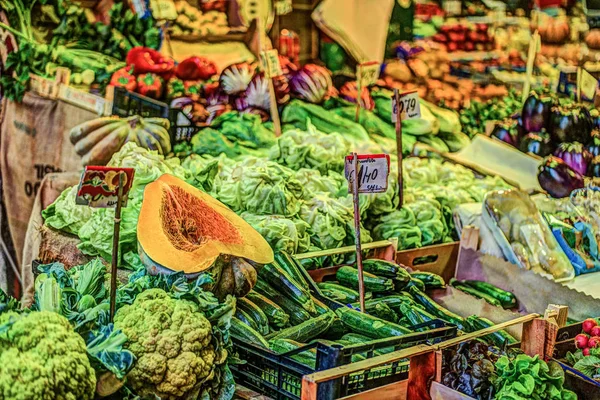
536	111
507	131
574	155
571	123
556	178
537	143
594	146
593	170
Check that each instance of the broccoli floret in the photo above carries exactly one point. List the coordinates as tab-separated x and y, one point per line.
171	340
42	357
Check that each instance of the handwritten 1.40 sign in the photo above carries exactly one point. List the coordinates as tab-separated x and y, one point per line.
373	171
409	106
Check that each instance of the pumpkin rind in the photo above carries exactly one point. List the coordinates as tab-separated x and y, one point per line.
184	229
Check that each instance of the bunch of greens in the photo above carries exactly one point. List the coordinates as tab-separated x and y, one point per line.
244	129
313	181
527	377
587	365
202	170
283	234
399	224
474	117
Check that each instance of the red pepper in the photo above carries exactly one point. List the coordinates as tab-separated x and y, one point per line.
124	78
195	68
150	85
146	60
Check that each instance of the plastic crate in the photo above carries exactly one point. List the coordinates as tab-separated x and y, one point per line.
126	103
280	377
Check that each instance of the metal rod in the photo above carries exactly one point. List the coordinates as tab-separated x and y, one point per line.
115	249
361	285
399	148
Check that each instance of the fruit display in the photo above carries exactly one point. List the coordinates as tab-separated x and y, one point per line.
464	37
192	21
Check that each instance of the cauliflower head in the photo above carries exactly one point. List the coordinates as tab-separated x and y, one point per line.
171	340
43	358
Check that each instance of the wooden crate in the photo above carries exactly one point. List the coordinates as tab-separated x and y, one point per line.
440	259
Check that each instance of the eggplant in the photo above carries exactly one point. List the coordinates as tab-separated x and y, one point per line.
507	131
537	143
594	146
574	155
557	178
593	170
570	124
536	111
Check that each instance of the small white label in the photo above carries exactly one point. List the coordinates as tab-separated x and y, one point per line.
373	171
270	63
163	10
367	73
283	7
588	85
409	106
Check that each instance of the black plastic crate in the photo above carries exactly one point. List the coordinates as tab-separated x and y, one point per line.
126	104
280	377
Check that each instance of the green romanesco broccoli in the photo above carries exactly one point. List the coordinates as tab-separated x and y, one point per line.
172	342
43	358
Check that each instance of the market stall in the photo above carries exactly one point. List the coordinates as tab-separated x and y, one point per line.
299	200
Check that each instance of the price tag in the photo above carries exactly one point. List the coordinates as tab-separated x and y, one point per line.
163	10
99	186
283	7
368	73
409	106
588	85
139	7
270	63
63	76
372	173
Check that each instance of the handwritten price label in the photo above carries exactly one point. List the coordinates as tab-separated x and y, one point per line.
99	186
368	73
373	171
409	106
270	63
588	85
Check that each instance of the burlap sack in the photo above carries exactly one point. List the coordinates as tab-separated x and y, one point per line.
34	141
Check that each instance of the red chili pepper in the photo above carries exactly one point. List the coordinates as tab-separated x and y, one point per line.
195	68
150	85
146	60
124	78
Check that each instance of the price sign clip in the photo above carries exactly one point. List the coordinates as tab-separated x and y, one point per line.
409	106
373	171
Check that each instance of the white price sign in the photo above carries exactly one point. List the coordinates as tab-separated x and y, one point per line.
368	73
588	85
373	171
409	106
270	63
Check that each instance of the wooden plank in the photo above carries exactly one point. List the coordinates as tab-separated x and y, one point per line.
439	358
421	372
243	393
533	339
345	249
317	275
392	391
562	314
309	389
444	265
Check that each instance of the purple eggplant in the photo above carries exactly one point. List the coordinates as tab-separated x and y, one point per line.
537	143
571	123
556	178
536	111
508	131
594	146
594	168
574	155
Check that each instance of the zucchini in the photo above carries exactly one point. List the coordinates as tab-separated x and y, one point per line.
474	292
393	301
437	310
499	338
381	310
244	332
416	282
431	280
412	316
386	269
296	313
307	358
275	314
320	306
369	325
307	330
283	282
336	330
245	318
340	293
356	338
289	265
427	316
507	299
254	312
348	276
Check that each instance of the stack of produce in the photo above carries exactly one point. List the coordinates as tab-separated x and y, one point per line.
586	358
465	37
192	21
475	117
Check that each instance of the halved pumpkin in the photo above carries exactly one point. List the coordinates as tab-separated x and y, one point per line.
184	229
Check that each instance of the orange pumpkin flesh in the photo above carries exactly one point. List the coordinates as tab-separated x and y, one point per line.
184	229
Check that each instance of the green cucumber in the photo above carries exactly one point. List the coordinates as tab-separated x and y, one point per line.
245	318
413	316
431	280
499	338
340	293
507	299
307	358
437	310
416	282
289	265
254	312
474	292
307	330
296	313
276	316
369	325
386	269
283	282
244	332
348	276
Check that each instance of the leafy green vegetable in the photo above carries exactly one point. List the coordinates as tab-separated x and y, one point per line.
244	129
283	234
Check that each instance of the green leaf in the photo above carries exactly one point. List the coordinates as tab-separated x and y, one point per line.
588	365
